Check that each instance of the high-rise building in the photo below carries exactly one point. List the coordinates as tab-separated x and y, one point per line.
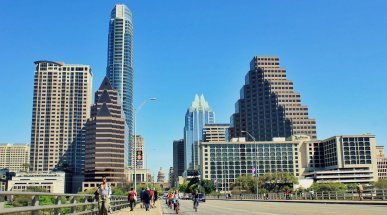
138	152
178	157
120	62
106	138
268	106
196	117
15	157
215	132
61	106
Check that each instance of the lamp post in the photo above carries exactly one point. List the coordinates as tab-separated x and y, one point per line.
136	111
256	157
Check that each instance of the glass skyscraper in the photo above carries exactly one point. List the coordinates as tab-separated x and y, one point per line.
120	61
196	117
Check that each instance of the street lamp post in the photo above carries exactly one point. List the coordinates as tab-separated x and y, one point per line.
136	111
256	157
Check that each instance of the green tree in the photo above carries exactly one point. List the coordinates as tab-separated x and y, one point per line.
331	186
381	184
245	182
207	185
277	182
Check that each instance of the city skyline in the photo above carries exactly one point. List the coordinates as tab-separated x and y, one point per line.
336	60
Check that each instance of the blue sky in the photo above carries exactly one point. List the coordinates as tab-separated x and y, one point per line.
334	51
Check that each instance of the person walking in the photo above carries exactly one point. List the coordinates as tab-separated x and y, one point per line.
132	197
152	194
360	190
147	199
142	193
104	193
155	197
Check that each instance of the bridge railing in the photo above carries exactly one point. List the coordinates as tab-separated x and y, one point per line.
380	195
63	203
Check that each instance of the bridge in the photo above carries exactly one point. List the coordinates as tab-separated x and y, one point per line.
374	202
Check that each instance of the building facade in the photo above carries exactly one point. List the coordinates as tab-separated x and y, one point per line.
119	68
196	117
347	159
61	106
178	157
268	106
106	138
53	182
215	132
380	151
382	168
15	157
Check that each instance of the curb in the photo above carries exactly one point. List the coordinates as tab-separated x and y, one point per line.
312	202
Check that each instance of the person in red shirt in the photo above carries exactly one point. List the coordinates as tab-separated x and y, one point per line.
132	197
152	193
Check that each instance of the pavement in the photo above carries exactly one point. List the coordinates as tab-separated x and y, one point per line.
140	211
215	207
364	202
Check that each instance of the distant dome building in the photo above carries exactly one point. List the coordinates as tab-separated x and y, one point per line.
161	176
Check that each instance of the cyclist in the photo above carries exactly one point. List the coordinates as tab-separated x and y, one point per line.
195	199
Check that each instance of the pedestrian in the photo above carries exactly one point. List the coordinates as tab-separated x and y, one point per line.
132	198
360	190
240	196
104	191
155	197
142	197
147	199
152	193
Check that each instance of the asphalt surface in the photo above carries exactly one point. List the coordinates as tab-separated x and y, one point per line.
221	207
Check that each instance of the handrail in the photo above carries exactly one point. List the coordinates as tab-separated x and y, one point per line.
117	202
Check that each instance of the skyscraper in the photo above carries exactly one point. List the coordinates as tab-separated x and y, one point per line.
61	106
196	117
178	157
119	68
268	106
106	137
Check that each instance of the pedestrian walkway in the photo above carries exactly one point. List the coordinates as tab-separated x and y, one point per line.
139	211
364	202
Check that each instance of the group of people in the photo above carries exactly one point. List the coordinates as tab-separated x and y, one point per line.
148	198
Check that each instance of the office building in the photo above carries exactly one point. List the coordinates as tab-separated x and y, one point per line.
139	153
178	157
382	168
15	157
215	132
52	182
380	151
119	68
347	159
61	106
106	138
268	106
196	117
171	177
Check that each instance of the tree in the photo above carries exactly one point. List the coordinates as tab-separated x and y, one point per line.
207	185
246	183
26	167
277	182
330	186
381	184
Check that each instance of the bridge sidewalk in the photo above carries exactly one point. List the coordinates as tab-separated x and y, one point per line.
139	211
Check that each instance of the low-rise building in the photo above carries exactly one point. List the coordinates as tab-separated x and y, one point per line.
53	182
382	168
15	157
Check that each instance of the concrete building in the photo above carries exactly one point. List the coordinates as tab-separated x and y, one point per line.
15	157
61	106
382	168
178	157
380	151
215	132
171	177
268	106
322	161
106	138
199	114
53	182
119	67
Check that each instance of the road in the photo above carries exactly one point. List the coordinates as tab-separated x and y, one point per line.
220	207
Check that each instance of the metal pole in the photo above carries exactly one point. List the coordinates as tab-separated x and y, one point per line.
256	158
